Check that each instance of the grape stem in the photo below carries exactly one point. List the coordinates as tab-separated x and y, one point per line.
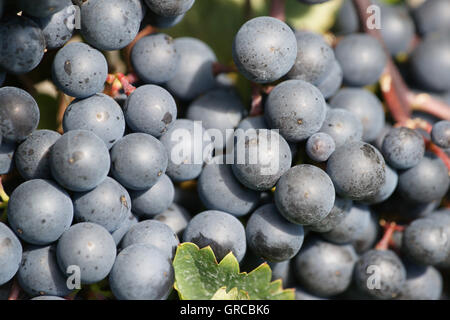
119	81
15	291
399	98
219	68
278	9
389	228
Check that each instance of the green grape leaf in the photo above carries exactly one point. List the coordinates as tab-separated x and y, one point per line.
233	294
198	276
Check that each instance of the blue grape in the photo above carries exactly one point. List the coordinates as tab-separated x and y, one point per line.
176	217
391	274
256	122
188	146
422	283
343	126
108	205
33	155
150	109
430	62
403	148
19	114
58	27
220	230
284	271
357	170
425	242
432	15
99	114
367	237
155	59
23	45
325	269
261	157
141	272
220	190
397	29
440	134
304	194
320	146
194	74
79	160
90	247
39	211
366	106
126	225
11	254
347	20
315	58
426	182
155	233
151	202
79	70
349	228
362	59
169	8
264	49
388	188
339	212
296	108
39	274
42	8
138	161
110	24
7	151
220	111
272	237
332	81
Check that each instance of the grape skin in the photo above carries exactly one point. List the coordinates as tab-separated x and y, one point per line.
440	134
176	217
19	114
220	230
155	58
304	194
141	272
403	148
40	211
79	70
150	109
79	160
272	237
296	108
11	256
264	49
151	202
89	246
13	33
155	233
99	114
32	155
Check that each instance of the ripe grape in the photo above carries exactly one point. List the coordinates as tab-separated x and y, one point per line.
43	8
340	210
169	8
343	126
7	151
422	283
403	148
11	254
176	217
432	15
264	49
440	134
220	230
79	160
138	161
39	211
272	237
151	202
32	157
99	114
296	108
154	233
90	247
304	194
108	205
320	146
150	109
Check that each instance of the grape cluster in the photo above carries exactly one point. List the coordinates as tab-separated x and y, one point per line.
308	180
